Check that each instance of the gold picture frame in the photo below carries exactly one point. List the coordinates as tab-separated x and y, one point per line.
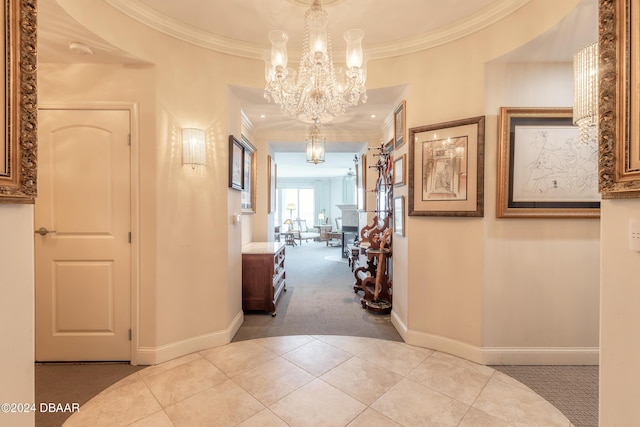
446	169
362	189
272	176
544	170
619	100
399	125
398	216
18	150
400	171
249	171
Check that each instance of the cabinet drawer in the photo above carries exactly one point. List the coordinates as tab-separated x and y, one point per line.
278	287
278	259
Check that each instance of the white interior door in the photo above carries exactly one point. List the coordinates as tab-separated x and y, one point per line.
82	225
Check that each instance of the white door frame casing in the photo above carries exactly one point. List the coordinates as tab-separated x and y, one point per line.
132	108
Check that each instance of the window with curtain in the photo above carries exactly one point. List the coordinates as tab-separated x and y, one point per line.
297	203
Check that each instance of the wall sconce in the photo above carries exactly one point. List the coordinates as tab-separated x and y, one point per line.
585	92
193	147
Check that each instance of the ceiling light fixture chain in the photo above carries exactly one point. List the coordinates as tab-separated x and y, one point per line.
317	91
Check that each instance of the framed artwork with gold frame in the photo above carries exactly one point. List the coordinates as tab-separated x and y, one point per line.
249	171
272	177
398	215
18	148
400	171
619	99
543	168
362	188
399	125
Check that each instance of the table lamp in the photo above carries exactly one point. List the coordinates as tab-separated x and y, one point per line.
291	207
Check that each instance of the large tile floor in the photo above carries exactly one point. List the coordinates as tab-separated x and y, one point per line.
318	381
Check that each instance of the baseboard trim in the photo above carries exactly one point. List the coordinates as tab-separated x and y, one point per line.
445	345
498	355
155	355
399	325
541	355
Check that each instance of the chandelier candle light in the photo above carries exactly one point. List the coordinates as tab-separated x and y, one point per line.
318	92
585	92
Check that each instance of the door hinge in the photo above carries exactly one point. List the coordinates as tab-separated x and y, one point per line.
129	237
129	334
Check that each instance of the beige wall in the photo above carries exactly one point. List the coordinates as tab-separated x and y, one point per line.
16	311
541	275
496	291
183	252
192	299
620	316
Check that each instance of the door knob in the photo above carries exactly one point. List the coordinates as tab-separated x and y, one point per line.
43	231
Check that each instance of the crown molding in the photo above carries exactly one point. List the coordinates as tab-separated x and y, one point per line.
180	31
476	22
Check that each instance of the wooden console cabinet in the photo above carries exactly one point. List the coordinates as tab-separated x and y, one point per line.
263	275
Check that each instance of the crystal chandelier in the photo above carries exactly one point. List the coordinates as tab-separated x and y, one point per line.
585	92
318	91
315	145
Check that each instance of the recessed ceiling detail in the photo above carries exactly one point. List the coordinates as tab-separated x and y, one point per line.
390	30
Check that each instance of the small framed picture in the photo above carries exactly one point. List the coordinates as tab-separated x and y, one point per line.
271	176
400	171
362	189
399	124
236	162
398	215
388	147
249	167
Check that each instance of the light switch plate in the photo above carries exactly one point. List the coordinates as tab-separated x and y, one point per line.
634	234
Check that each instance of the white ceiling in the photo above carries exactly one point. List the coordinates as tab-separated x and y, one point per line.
240	27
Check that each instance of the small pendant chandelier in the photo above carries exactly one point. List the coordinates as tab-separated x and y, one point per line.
315	146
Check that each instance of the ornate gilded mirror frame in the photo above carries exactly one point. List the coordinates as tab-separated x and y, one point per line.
619	103
18	150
